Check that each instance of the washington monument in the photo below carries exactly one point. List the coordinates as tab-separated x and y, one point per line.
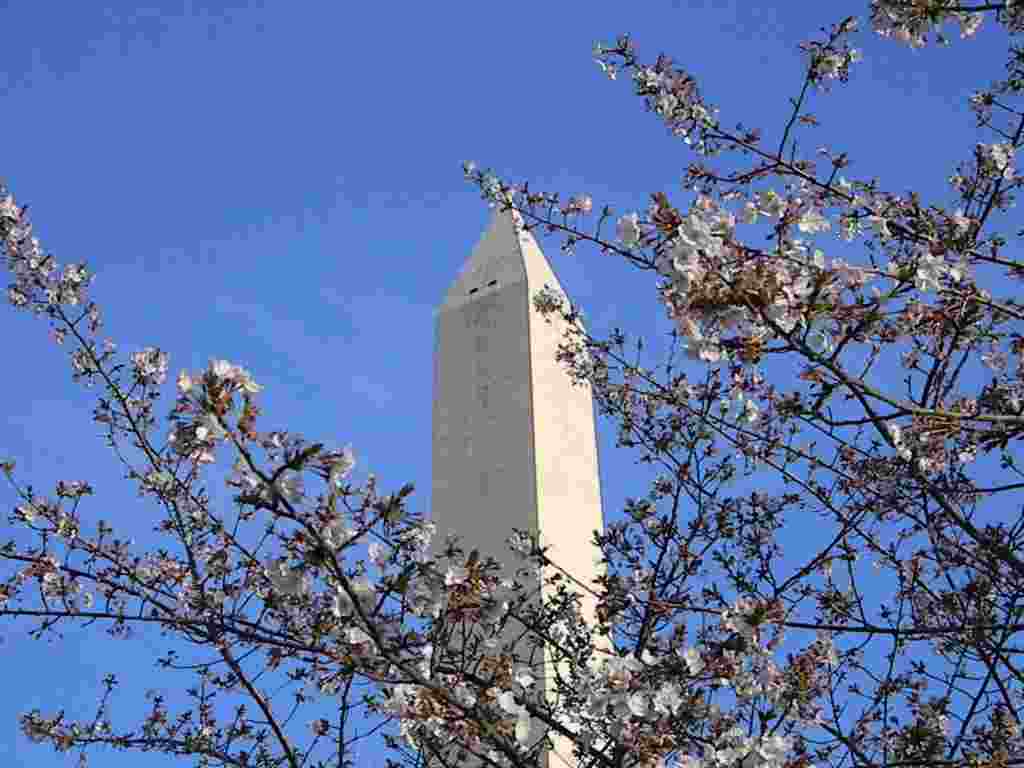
514	443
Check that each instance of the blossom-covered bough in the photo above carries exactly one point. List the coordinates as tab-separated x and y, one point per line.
828	567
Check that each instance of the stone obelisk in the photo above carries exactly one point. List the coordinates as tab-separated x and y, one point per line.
514	442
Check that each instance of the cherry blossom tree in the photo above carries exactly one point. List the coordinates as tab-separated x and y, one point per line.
860	375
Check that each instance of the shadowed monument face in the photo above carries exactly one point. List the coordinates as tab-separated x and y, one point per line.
514	444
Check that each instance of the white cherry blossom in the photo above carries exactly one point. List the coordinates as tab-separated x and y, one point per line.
628	229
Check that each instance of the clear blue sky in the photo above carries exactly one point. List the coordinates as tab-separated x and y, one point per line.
280	184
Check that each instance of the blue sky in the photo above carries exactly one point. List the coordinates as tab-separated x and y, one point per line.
279	184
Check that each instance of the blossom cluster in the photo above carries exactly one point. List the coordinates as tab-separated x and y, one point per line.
831	59
715	286
913	22
203	404
39	281
997	159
